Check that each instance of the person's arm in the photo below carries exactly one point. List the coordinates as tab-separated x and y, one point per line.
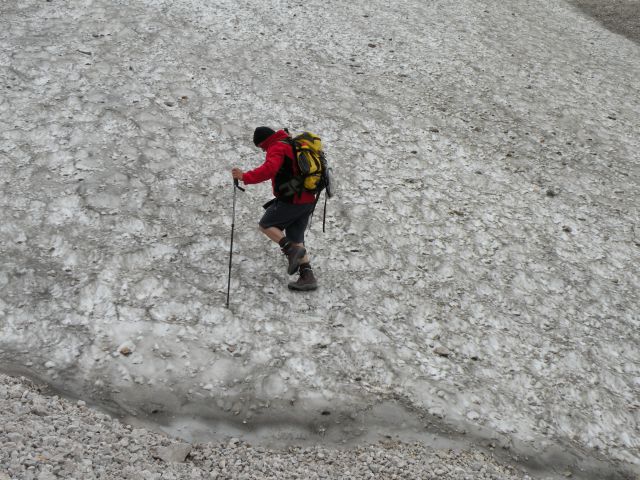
268	170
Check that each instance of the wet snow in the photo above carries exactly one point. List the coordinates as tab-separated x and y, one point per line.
487	155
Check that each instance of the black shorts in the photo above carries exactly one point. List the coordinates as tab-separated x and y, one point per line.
291	218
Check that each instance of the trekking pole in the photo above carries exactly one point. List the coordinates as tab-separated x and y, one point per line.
233	222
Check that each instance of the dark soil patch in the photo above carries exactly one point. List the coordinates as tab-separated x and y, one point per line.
619	16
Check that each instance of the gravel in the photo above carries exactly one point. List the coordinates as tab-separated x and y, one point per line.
45	437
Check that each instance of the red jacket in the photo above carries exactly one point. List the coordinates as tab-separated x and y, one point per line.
276	152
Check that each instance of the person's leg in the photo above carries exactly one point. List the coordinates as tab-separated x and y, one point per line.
295	231
276	235
280	218
306	281
273	233
296	228
304	259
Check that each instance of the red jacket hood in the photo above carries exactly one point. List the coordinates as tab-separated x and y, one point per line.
276	153
276	137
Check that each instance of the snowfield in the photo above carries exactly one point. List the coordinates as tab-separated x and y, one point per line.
479	273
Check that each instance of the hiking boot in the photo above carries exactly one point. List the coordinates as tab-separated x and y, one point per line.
294	254
306	281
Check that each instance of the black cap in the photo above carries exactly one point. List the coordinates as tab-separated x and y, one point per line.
261	134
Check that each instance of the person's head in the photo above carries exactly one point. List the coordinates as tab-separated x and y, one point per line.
260	134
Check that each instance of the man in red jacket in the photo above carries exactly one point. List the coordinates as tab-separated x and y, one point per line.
287	215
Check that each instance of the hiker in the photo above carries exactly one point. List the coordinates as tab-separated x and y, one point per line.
287	215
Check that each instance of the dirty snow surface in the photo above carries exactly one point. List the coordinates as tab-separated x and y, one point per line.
479	272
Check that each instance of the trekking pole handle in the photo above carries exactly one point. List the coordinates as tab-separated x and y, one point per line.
237	185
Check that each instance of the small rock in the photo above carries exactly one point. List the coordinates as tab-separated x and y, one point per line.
173	453
15	438
125	349
46	475
442	351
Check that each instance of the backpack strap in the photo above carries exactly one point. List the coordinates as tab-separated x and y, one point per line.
299	186
294	163
324	213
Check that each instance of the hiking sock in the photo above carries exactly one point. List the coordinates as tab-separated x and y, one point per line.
284	243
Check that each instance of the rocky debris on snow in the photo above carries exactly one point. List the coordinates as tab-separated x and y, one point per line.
69	441
126	351
442	351
173	453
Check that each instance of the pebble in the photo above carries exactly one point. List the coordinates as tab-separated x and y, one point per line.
442	351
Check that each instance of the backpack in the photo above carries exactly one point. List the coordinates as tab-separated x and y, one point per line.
315	175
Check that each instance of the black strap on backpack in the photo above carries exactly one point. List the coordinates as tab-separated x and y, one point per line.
324	212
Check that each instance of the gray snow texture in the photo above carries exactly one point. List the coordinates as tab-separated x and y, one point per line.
480	269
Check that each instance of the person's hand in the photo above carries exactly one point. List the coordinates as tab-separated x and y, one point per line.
236	173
